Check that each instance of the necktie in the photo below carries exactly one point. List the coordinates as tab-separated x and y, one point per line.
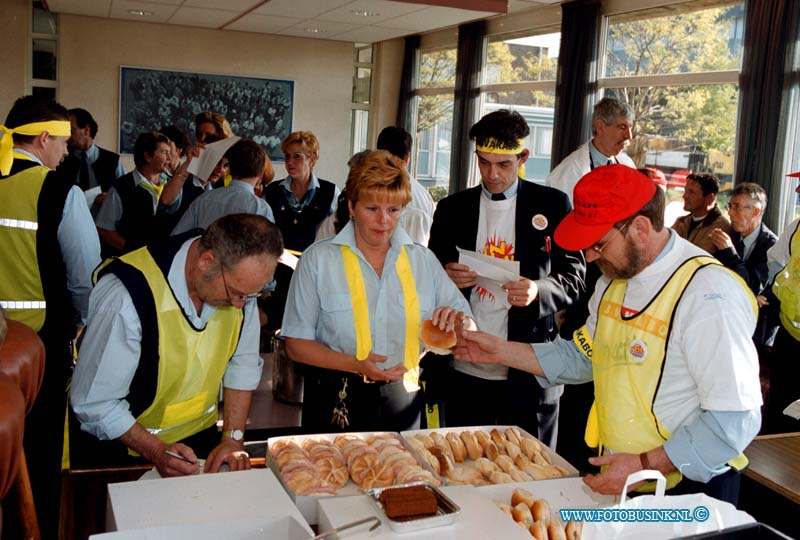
83	176
610	161
498	196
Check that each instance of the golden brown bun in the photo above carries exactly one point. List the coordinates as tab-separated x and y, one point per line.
446	465
574	530
505	463
522	495
539	531
530	447
474	449
522	514
541	511
436	340
457	446
555	531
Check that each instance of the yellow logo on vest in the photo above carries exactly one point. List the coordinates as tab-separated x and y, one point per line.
582	340
637	351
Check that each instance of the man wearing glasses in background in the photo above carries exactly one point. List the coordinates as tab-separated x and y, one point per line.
167	324
676	384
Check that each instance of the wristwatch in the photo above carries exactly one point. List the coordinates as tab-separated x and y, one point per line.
235	434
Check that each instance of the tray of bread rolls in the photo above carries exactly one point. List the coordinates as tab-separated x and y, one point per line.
325	465
485	455
535	506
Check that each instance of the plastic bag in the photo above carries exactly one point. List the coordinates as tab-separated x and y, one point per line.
687	514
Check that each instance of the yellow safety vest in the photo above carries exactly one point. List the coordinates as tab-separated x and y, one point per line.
627	356
787	288
21	292
191	362
358	299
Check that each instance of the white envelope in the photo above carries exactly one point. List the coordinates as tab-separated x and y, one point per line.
492	272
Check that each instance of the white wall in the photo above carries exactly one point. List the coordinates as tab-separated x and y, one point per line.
93	49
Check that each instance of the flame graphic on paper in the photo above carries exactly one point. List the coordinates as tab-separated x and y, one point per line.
499	249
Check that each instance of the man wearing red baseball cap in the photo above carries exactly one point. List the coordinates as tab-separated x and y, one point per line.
676	383
784	263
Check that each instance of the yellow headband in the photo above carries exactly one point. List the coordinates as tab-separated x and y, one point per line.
493	146
58	128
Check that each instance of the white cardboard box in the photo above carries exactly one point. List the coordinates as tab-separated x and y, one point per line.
480	519
559	493
253	494
286	527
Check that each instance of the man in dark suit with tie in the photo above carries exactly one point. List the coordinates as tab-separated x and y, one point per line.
87	164
745	250
510	218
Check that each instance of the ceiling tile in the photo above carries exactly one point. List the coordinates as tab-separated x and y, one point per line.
382	10
370	34
93	8
262	24
227	5
302	9
120	9
206	18
433	18
327	29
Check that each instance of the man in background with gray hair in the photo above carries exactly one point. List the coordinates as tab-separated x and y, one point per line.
745	250
612	130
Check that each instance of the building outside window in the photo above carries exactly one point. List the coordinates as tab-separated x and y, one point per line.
679	73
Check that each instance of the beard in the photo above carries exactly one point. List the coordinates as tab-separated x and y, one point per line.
635	261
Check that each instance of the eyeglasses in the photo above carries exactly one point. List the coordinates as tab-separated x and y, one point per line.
739	207
600	246
239	297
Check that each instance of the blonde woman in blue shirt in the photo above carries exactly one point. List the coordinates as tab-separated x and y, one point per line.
355	305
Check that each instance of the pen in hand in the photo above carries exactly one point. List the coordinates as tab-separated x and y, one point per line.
178	456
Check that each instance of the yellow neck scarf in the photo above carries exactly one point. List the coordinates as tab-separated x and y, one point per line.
358	299
494	146
59	128
157	189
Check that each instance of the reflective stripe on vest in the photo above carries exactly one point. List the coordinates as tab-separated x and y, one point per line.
787	288
21	290
358	300
188	384
632	349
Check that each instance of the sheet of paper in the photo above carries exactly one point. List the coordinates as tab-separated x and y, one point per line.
492	272
202	165
91	195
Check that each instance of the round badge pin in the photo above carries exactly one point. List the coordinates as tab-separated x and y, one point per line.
638	350
539	222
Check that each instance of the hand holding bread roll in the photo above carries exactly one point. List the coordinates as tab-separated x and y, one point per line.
435	339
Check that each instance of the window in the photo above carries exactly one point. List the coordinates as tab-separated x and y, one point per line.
434	118
679	73
362	85
520	75
44	52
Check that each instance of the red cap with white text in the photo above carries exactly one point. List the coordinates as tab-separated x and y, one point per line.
602	198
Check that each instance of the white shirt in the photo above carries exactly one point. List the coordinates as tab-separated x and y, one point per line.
574	166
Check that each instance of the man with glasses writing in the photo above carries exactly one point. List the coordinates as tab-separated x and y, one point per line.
167	324
676	383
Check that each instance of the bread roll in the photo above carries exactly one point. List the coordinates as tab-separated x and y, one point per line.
436	340
522	514
522	461
513	435
446	464
482	437
474	449
519	476
522	495
539	459
539	530
530	447
574	530
498	438
486	466
457	446
505	463
499	477
512	450
537	472
490	450
555	531
541	511
426	440
433	461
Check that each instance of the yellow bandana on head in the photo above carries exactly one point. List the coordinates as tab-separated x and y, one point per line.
495	146
59	128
